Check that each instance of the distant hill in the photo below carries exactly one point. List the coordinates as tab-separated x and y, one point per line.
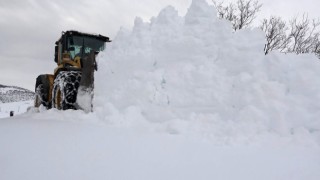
14	94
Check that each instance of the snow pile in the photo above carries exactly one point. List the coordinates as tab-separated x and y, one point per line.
192	75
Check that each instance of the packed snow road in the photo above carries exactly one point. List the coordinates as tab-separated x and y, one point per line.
47	147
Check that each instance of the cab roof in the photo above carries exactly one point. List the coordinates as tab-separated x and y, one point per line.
77	33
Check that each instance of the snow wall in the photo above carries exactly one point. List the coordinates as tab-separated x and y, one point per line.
193	75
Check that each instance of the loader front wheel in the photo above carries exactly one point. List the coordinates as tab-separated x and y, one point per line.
65	89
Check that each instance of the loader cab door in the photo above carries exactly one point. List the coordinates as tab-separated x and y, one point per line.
58	51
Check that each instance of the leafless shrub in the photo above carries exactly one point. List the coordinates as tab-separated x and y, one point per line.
275	29
304	35
240	14
299	36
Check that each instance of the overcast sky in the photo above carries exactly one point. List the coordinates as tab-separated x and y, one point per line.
29	28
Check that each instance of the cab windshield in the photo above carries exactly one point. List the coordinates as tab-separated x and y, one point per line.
82	46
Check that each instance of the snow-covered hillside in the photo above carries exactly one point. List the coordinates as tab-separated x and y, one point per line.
14	94
179	98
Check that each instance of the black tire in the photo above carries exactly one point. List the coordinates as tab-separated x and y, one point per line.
42	92
65	89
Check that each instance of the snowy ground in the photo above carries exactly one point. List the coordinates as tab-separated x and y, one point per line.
179	98
72	146
16	107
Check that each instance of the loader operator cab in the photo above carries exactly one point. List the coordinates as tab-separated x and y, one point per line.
74	46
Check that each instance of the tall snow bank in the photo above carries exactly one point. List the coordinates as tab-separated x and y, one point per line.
193	74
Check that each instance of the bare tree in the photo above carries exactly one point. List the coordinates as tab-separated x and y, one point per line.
240	14
228	12
299	36
275	29
317	48
304	35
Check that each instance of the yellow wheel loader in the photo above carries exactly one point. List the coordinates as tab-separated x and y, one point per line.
71	84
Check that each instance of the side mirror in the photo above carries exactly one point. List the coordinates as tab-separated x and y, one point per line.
56	54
